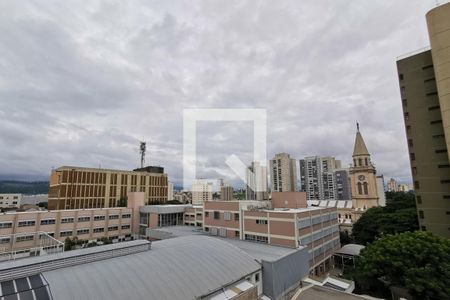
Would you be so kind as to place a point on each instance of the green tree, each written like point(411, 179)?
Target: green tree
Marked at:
point(123, 202)
point(68, 244)
point(399, 215)
point(417, 261)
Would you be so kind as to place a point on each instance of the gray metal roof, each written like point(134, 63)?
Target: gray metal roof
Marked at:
point(350, 249)
point(258, 251)
point(179, 268)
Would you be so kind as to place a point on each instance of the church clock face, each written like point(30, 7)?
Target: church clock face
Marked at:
point(361, 177)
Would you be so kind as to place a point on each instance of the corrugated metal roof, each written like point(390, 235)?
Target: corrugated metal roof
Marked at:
point(180, 268)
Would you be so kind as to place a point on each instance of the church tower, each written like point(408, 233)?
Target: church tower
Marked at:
point(363, 177)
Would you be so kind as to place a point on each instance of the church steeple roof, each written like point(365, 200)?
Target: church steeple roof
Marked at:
point(360, 147)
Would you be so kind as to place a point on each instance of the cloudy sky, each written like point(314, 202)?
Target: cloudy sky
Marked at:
point(81, 82)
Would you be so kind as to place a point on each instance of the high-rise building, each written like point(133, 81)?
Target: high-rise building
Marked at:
point(425, 94)
point(381, 191)
point(343, 188)
point(392, 185)
point(226, 193)
point(170, 191)
point(318, 179)
point(256, 188)
point(283, 172)
point(77, 187)
point(363, 178)
point(201, 192)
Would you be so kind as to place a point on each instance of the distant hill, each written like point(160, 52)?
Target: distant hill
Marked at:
point(24, 187)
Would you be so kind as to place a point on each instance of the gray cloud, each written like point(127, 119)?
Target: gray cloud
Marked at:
point(82, 82)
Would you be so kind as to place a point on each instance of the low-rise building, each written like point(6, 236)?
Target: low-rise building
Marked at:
point(10, 200)
point(18, 229)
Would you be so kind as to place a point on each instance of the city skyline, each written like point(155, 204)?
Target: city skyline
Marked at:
point(103, 85)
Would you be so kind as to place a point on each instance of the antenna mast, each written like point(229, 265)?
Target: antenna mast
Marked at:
point(142, 151)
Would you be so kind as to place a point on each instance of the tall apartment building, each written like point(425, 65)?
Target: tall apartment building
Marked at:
point(283, 172)
point(392, 185)
point(318, 179)
point(170, 195)
point(201, 192)
point(343, 185)
point(256, 178)
point(77, 187)
point(226, 193)
point(425, 94)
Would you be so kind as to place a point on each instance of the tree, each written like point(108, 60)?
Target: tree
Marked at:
point(123, 202)
point(417, 261)
point(399, 215)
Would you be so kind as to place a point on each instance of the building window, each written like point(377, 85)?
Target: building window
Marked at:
point(405, 102)
point(67, 220)
point(216, 215)
point(257, 277)
point(360, 188)
point(419, 199)
point(66, 233)
point(99, 229)
point(256, 238)
point(416, 185)
point(406, 115)
point(421, 214)
point(206, 214)
point(408, 129)
point(236, 217)
point(113, 217)
point(403, 92)
point(433, 107)
point(99, 218)
point(414, 170)
point(23, 238)
point(26, 223)
point(236, 233)
point(410, 142)
point(113, 228)
point(5, 225)
point(126, 216)
point(127, 226)
point(84, 219)
point(5, 240)
point(82, 231)
point(441, 151)
point(366, 190)
point(261, 222)
point(412, 156)
point(48, 222)
point(227, 216)
point(445, 181)
point(360, 162)
point(436, 122)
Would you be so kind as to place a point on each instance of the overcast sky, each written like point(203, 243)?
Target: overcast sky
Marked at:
point(81, 82)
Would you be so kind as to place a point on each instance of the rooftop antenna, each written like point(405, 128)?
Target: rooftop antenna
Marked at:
point(142, 151)
point(357, 126)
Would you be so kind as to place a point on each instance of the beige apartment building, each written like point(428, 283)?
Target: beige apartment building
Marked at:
point(283, 173)
point(226, 193)
point(78, 188)
point(20, 230)
point(424, 79)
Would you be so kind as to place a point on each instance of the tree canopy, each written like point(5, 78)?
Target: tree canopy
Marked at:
point(417, 261)
point(399, 215)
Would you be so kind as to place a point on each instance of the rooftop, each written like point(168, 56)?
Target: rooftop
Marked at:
point(102, 170)
point(181, 268)
point(350, 249)
point(256, 250)
point(315, 292)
